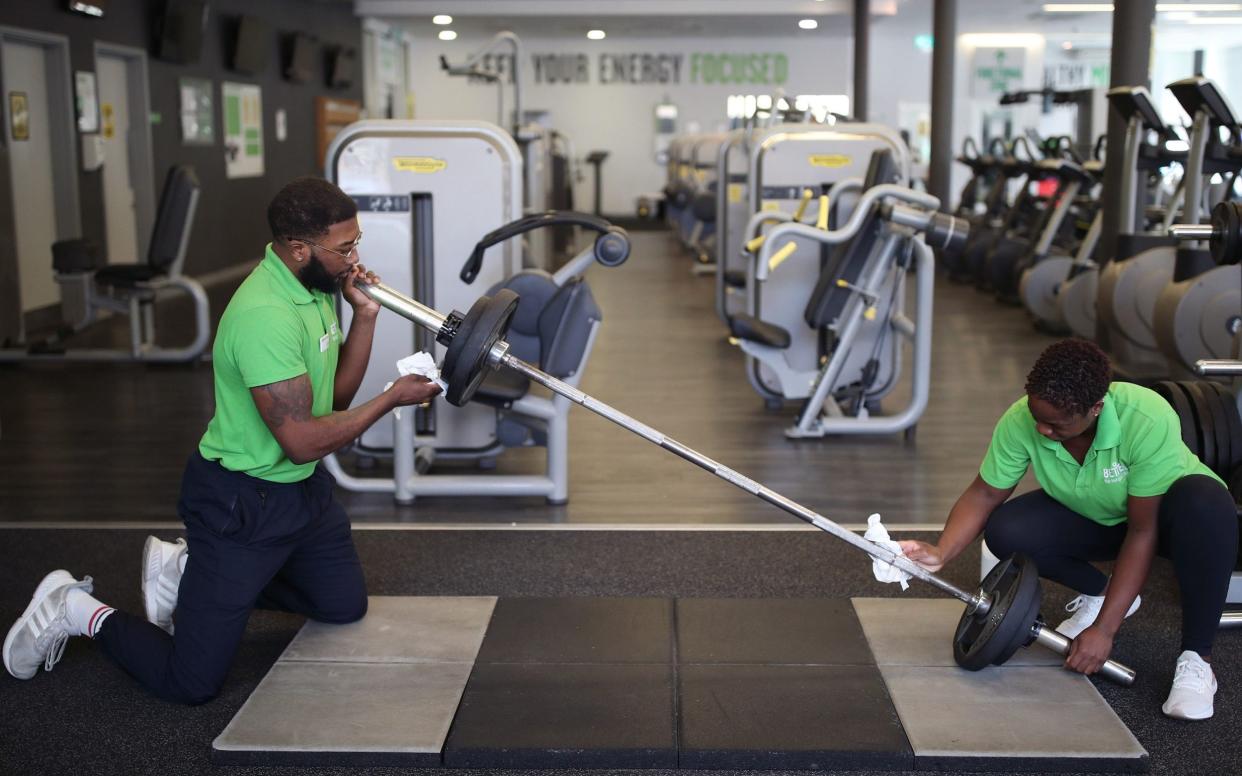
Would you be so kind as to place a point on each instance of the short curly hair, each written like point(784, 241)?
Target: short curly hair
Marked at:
point(1071, 375)
point(306, 207)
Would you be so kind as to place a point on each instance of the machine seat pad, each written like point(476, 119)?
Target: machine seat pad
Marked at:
point(502, 387)
point(750, 328)
point(126, 275)
point(735, 278)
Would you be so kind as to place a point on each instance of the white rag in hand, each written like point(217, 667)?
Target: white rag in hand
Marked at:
point(423, 365)
point(885, 572)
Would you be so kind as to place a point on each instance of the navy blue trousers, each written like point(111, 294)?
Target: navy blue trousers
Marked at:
point(1197, 530)
point(252, 544)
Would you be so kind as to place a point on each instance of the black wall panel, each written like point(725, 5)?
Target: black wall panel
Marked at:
point(231, 225)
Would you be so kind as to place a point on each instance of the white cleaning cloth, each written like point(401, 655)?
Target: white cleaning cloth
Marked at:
point(884, 572)
point(423, 365)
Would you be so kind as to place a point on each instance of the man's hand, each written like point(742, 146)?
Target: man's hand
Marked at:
point(926, 555)
point(412, 389)
point(361, 303)
point(1089, 651)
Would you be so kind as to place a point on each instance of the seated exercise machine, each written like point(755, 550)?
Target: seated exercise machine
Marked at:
point(856, 307)
point(785, 163)
point(1000, 617)
point(418, 185)
point(89, 291)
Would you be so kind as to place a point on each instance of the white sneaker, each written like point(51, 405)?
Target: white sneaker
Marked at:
point(1085, 609)
point(161, 578)
point(39, 635)
point(1194, 684)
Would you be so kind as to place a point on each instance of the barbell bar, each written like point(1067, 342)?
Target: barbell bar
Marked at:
point(494, 354)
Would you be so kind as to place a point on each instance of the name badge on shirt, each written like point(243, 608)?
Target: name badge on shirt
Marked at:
point(323, 343)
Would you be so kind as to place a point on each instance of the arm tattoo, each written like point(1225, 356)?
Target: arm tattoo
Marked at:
point(289, 399)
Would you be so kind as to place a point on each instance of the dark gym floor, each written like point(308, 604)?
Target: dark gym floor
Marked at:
point(101, 444)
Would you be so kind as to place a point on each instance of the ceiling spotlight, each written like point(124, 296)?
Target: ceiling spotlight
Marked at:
point(808, 24)
point(448, 35)
point(442, 18)
point(1067, 45)
point(596, 34)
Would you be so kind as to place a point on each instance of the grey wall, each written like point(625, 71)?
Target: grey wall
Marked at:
point(231, 224)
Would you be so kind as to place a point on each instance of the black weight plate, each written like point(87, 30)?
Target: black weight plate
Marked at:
point(1207, 422)
point(465, 362)
point(1224, 445)
point(1201, 450)
point(1013, 587)
point(1176, 397)
point(1233, 422)
point(1235, 489)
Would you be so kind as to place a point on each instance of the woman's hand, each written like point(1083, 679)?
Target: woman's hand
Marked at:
point(1089, 651)
point(926, 555)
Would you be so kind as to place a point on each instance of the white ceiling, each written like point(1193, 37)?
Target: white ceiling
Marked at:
point(765, 18)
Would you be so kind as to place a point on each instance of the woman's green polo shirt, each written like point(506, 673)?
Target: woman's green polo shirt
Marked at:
point(1137, 451)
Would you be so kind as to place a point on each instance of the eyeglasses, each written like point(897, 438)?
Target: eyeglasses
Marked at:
point(353, 246)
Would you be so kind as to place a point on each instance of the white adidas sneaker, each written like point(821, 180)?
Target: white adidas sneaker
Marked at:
point(39, 635)
point(1194, 685)
point(161, 578)
point(1085, 608)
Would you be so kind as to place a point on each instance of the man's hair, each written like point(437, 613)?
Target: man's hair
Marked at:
point(1071, 375)
point(306, 207)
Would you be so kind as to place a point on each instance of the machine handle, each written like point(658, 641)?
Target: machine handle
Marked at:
point(806, 200)
point(608, 252)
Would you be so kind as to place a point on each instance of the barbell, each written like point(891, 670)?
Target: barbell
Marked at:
point(1000, 617)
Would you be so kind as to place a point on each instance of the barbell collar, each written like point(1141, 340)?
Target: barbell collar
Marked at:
point(1059, 643)
point(1187, 232)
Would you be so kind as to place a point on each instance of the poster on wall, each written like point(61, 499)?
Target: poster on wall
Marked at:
point(995, 71)
point(19, 116)
point(86, 101)
point(243, 130)
point(198, 111)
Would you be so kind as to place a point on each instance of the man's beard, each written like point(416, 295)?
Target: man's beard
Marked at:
point(316, 278)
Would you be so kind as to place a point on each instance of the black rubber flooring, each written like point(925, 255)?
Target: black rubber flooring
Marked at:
point(88, 717)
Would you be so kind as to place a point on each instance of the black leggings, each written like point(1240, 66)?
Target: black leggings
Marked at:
point(1198, 531)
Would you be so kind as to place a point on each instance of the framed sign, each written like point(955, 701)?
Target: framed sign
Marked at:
point(243, 129)
point(86, 99)
point(19, 116)
point(198, 118)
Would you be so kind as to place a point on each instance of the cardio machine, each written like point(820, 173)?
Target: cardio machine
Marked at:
point(1129, 288)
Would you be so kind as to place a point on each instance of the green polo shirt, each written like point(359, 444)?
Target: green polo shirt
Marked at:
point(273, 329)
point(1137, 451)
